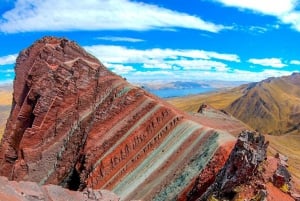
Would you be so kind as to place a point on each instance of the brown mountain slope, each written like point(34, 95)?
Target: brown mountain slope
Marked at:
point(271, 106)
point(272, 103)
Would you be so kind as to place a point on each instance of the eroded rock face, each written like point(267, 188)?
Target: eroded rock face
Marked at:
point(76, 124)
point(241, 167)
point(29, 191)
point(249, 174)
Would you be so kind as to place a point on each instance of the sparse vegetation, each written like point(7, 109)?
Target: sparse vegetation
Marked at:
point(285, 188)
point(5, 104)
point(218, 100)
point(5, 97)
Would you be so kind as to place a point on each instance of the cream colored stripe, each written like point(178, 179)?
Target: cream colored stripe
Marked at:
point(177, 136)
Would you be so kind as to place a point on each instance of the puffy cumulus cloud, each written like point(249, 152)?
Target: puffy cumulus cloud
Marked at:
point(278, 8)
point(284, 10)
point(186, 64)
point(161, 63)
point(145, 76)
point(199, 64)
point(154, 64)
point(271, 62)
point(9, 59)
point(295, 62)
point(122, 39)
point(53, 15)
point(120, 68)
point(292, 18)
point(120, 54)
point(234, 75)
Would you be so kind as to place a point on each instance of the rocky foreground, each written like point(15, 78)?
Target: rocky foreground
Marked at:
point(30, 191)
point(76, 124)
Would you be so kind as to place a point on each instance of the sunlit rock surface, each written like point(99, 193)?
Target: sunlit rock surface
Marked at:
point(30, 191)
point(249, 175)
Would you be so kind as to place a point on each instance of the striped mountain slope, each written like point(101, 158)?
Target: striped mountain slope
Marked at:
point(76, 124)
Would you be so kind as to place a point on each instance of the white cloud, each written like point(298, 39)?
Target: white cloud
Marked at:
point(164, 63)
point(120, 69)
point(9, 59)
point(199, 64)
point(155, 73)
point(63, 15)
point(186, 64)
point(235, 75)
point(258, 29)
point(120, 39)
point(7, 71)
point(257, 76)
point(295, 62)
point(144, 76)
point(292, 18)
point(226, 57)
point(284, 10)
point(278, 8)
point(271, 62)
point(120, 54)
point(154, 64)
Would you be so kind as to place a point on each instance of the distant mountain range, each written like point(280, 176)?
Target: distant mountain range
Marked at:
point(270, 106)
point(162, 85)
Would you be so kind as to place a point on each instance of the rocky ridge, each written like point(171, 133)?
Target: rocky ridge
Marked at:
point(249, 174)
point(76, 124)
point(249, 152)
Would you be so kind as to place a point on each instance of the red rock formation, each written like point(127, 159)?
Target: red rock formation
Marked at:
point(28, 191)
point(76, 124)
point(247, 173)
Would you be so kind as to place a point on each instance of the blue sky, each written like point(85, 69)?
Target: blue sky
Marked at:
point(236, 40)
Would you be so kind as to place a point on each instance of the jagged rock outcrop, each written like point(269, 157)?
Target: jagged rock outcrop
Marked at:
point(281, 177)
point(76, 124)
point(249, 152)
point(247, 173)
point(30, 191)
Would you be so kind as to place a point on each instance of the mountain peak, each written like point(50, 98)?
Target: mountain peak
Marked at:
point(76, 124)
point(270, 106)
